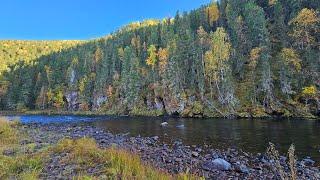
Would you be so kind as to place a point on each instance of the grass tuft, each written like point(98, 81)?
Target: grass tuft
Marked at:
point(279, 169)
point(17, 164)
point(26, 162)
point(9, 136)
point(117, 163)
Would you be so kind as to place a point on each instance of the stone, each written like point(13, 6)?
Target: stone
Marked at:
point(218, 164)
point(156, 138)
point(242, 168)
point(195, 154)
point(164, 124)
point(8, 152)
point(308, 162)
point(180, 126)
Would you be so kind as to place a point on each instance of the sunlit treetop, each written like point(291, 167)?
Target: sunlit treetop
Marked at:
point(138, 24)
point(306, 17)
point(213, 12)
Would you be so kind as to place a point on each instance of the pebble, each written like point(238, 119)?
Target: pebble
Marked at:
point(195, 154)
point(241, 168)
point(174, 158)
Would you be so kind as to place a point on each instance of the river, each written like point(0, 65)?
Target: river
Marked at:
point(249, 135)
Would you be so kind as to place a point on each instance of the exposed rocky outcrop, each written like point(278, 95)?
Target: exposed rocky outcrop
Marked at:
point(72, 100)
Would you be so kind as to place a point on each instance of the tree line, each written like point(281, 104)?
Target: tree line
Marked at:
point(243, 58)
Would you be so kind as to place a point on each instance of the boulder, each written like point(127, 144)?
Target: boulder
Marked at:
point(217, 164)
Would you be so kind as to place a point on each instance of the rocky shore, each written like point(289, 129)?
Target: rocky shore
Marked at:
point(174, 158)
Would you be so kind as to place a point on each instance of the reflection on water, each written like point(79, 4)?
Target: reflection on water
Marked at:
point(249, 135)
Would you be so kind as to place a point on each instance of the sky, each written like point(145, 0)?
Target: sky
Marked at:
point(80, 19)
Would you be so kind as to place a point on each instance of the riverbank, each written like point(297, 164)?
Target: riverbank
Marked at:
point(172, 159)
point(102, 113)
point(34, 154)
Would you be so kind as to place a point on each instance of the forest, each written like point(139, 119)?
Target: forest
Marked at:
point(231, 58)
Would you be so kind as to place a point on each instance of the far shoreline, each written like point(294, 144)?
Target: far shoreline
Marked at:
point(97, 113)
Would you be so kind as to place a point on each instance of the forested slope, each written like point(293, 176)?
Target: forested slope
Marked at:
point(13, 51)
point(243, 58)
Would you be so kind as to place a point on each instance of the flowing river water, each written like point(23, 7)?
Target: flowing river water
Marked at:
point(249, 135)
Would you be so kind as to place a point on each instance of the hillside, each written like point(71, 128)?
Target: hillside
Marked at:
point(13, 51)
point(232, 58)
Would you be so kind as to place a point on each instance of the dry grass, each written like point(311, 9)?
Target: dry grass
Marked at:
point(84, 152)
point(9, 136)
point(18, 165)
point(118, 164)
point(280, 169)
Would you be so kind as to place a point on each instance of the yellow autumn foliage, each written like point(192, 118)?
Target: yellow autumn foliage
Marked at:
point(213, 13)
point(305, 17)
point(291, 58)
point(309, 91)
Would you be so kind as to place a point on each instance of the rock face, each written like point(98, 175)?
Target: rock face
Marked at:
point(217, 164)
point(98, 101)
point(158, 104)
point(174, 106)
point(72, 100)
point(72, 76)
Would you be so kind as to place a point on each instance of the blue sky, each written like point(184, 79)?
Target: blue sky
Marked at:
point(80, 19)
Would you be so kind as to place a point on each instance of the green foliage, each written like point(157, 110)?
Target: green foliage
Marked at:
point(235, 56)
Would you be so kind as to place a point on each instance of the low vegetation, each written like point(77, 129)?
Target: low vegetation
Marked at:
point(17, 160)
point(23, 161)
point(117, 163)
point(280, 168)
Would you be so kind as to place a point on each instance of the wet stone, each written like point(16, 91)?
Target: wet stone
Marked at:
point(173, 157)
point(195, 154)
